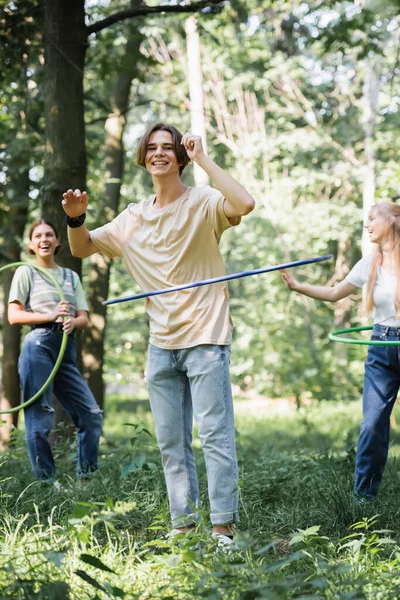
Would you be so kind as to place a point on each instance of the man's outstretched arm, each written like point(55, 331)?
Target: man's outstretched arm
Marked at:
point(75, 204)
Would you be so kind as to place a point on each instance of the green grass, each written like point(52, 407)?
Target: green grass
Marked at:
point(301, 535)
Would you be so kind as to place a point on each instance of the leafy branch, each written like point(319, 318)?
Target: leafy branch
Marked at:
point(144, 10)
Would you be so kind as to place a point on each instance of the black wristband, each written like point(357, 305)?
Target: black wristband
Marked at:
point(75, 222)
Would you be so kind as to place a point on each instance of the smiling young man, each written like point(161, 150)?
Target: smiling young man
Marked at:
point(172, 238)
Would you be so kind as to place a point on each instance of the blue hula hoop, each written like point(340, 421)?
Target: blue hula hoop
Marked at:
point(186, 286)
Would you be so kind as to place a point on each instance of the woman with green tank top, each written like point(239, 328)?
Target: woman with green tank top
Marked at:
point(34, 301)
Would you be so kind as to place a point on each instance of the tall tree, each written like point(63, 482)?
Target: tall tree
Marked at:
point(16, 219)
point(129, 68)
point(21, 136)
point(195, 80)
point(371, 88)
point(65, 42)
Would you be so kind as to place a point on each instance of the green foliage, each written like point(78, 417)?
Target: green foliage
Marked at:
point(285, 111)
point(283, 88)
point(285, 116)
point(21, 122)
point(301, 534)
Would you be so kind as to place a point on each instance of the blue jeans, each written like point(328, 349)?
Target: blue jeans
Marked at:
point(381, 385)
point(182, 383)
point(38, 356)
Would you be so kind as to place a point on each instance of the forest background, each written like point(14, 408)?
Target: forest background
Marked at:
point(299, 101)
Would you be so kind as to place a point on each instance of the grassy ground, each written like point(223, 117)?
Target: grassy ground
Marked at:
point(301, 535)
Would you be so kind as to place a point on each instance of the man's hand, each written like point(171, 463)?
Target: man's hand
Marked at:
point(74, 203)
point(193, 146)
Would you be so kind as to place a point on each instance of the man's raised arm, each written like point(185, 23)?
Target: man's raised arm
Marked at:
point(238, 202)
point(75, 204)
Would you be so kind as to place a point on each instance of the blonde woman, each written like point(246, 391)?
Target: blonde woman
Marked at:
point(380, 273)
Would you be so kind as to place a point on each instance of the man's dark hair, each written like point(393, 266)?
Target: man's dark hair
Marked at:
point(180, 152)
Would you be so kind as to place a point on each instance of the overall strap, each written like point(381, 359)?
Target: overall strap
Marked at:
point(32, 276)
point(72, 278)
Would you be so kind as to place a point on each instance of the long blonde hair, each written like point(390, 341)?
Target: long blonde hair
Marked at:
point(391, 213)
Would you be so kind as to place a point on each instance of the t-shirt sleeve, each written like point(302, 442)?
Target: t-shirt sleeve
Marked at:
point(20, 286)
point(108, 238)
point(358, 275)
point(213, 202)
point(81, 303)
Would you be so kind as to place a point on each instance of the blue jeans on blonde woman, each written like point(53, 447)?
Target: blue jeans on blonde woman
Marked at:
point(38, 356)
point(381, 386)
point(182, 384)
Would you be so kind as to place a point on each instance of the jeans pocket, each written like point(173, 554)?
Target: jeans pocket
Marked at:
point(41, 333)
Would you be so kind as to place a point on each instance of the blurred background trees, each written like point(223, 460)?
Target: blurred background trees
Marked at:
point(299, 102)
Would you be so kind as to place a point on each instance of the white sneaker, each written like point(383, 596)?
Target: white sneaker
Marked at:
point(224, 542)
point(174, 533)
point(177, 536)
point(57, 486)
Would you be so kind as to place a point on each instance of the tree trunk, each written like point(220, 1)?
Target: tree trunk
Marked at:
point(16, 220)
point(198, 124)
point(65, 157)
point(100, 265)
point(371, 88)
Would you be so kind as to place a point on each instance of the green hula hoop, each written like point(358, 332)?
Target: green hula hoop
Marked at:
point(62, 347)
point(334, 337)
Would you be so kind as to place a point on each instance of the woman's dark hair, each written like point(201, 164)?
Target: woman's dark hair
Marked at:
point(43, 222)
point(180, 152)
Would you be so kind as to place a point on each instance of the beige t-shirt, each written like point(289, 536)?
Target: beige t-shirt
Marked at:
point(172, 246)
